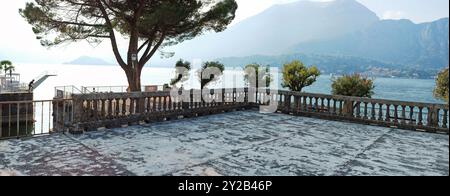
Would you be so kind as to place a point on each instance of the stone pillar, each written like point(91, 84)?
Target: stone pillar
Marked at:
point(78, 113)
point(433, 117)
point(347, 109)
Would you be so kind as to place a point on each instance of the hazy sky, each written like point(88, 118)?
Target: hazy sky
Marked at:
point(17, 39)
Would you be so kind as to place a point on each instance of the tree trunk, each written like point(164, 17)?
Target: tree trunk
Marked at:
point(134, 79)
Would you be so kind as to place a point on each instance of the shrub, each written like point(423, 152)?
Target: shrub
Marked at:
point(442, 86)
point(355, 85)
point(297, 76)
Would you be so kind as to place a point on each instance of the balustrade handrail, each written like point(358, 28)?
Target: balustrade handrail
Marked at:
point(103, 107)
point(95, 96)
point(365, 99)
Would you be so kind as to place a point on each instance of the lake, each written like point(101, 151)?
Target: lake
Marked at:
point(419, 90)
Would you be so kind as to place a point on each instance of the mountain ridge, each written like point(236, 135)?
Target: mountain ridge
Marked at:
point(423, 45)
point(277, 28)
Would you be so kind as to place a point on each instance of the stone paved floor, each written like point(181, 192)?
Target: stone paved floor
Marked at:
point(239, 143)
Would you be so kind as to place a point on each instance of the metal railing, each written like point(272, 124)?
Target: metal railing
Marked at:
point(66, 92)
point(29, 118)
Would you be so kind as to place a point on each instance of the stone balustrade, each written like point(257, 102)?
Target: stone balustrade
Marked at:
point(95, 110)
point(399, 114)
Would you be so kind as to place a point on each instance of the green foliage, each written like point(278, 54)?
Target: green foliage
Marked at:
point(178, 20)
point(442, 86)
point(297, 76)
point(354, 85)
point(149, 25)
point(181, 76)
point(7, 66)
point(211, 78)
point(255, 73)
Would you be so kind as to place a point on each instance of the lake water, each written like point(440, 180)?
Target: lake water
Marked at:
point(82, 75)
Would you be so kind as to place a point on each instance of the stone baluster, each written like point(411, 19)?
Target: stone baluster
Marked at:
point(148, 105)
point(380, 112)
point(366, 111)
point(411, 115)
point(117, 113)
point(445, 119)
point(358, 109)
point(329, 106)
point(310, 105)
point(335, 107)
point(89, 110)
point(316, 104)
point(160, 104)
point(396, 114)
point(171, 106)
point(420, 120)
point(124, 106)
point(132, 111)
point(154, 105)
point(403, 121)
point(306, 103)
point(110, 109)
point(388, 113)
point(373, 112)
point(296, 106)
point(95, 109)
point(322, 104)
point(163, 104)
point(433, 117)
point(287, 103)
point(103, 112)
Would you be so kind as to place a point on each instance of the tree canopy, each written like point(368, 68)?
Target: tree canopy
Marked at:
point(442, 86)
point(148, 24)
point(7, 66)
point(4, 64)
point(355, 85)
point(297, 76)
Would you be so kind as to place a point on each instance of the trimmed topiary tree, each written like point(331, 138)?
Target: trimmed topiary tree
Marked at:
point(355, 85)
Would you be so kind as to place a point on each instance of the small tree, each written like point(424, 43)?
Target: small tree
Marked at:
point(5, 64)
point(354, 85)
point(181, 72)
point(297, 76)
point(204, 79)
point(442, 86)
point(255, 73)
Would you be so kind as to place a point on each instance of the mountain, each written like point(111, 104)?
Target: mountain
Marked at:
point(280, 27)
point(86, 60)
point(423, 45)
point(338, 30)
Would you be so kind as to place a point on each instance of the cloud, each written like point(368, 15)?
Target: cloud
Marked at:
point(393, 15)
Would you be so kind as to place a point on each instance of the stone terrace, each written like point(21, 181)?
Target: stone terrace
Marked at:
point(238, 143)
